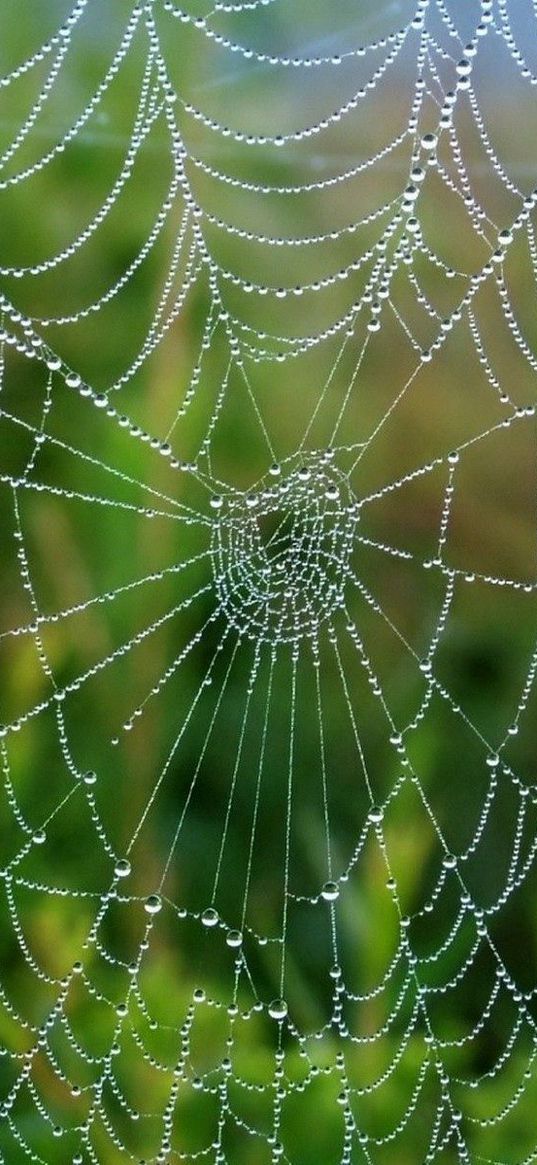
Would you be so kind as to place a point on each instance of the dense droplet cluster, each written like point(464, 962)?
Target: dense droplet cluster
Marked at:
point(282, 554)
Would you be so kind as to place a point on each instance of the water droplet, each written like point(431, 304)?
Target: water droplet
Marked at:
point(429, 141)
point(217, 502)
point(209, 917)
point(411, 193)
point(90, 777)
point(330, 891)
point(153, 904)
point(39, 837)
point(234, 938)
point(122, 868)
point(277, 1009)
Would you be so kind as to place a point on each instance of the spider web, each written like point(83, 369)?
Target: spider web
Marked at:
point(269, 646)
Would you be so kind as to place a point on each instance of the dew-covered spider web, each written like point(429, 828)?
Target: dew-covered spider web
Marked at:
point(269, 640)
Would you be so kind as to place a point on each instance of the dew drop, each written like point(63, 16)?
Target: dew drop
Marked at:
point(122, 868)
point(209, 917)
point(277, 1009)
point(411, 193)
point(153, 904)
point(330, 891)
point(39, 837)
point(234, 938)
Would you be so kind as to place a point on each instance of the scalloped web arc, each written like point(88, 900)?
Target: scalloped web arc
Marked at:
point(268, 499)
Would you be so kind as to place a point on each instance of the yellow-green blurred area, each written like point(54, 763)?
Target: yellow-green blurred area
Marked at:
point(220, 291)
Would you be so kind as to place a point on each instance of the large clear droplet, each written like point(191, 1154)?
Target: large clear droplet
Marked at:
point(330, 891)
point(234, 938)
point(153, 904)
point(209, 917)
point(277, 1009)
point(122, 868)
